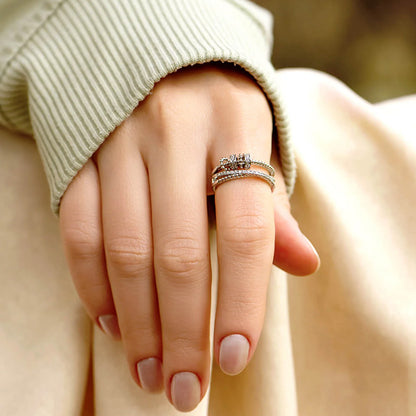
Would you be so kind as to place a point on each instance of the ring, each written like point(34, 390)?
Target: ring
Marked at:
point(238, 167)
point(241, 161)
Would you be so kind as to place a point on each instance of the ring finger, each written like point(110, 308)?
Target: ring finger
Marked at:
point(129, 256)
point(245, 241)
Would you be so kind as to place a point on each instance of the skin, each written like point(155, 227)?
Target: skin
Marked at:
point(134, 222)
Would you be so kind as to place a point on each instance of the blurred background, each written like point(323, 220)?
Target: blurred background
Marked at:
point(368, 44)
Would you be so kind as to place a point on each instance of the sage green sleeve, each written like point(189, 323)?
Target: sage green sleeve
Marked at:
point(71, 71)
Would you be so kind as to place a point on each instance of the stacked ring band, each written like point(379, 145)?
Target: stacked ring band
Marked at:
point(238, 167)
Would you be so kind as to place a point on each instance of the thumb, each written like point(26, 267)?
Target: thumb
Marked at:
point(293, 252)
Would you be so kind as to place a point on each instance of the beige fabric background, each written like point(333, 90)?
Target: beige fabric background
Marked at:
point(340, 342)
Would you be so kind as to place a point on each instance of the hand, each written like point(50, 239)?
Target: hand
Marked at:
point(134, 225)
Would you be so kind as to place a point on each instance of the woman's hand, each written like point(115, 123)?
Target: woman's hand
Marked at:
point(134, 224)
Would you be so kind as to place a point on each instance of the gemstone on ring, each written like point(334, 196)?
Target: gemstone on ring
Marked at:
point(237, 166)
point(234, 162)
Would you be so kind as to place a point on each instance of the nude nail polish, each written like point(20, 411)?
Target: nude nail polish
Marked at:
point(316, 253)
point(234, 351)
point(150, 374)
point(186, 391)
point(109, 325)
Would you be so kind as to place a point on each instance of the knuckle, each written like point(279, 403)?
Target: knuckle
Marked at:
point(162, 106)
point(134, 330)
point(95, 301)
point(129, 255)
point(245, 96)
point(247, 233)
point(181, 257)
point(187, 343)
point(168, 118)
point(243, 308)
point(83, 241)
point(249, 113)
point(91, 291)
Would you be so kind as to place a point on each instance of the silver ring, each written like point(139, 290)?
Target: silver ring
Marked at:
point(241, 161)
point(238, 167)
point(239, 174)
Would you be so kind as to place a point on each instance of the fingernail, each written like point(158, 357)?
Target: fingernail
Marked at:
point(186, 391)
point(109, 325)
point(234, 351)
point(316, 253)
point(150, 374)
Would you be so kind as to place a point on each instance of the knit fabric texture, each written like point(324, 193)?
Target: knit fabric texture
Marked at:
point(74, 70)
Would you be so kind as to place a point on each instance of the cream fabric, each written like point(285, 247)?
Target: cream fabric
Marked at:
point(341, 342)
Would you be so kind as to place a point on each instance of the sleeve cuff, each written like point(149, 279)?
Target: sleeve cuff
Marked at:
point(91, 62)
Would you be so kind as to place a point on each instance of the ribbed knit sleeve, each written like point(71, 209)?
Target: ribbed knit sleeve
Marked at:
point(77, 68)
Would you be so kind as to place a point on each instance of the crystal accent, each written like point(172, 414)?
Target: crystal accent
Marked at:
point(234, 162)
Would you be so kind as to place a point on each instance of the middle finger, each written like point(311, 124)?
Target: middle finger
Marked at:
point(182, 269)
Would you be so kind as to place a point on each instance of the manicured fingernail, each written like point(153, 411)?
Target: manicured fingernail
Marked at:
point(150, 374)
point(234, 351)
point(109, 324)
point(316, 253)
point(186, 391)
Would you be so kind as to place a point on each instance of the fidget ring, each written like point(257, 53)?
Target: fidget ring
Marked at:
point(238, 167)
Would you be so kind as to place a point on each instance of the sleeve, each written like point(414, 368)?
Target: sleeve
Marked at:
point(73, 70)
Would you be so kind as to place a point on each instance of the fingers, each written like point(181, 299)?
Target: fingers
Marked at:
point(153, 269)
point(182, 268)
point(293, 252)
point(80, 224)
point(129, 255)
point(245, 240)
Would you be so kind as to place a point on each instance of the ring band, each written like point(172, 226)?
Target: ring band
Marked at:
point(239, 174)
point(238, 167)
